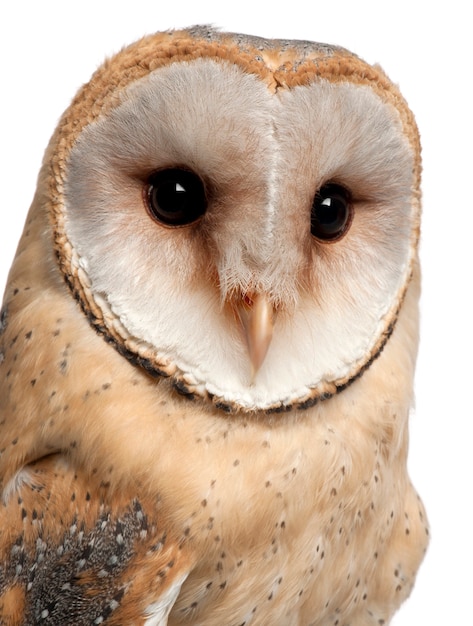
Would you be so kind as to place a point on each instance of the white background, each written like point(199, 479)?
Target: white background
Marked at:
point(50, 48)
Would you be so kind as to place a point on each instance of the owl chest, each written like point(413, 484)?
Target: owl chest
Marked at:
point(276, 530)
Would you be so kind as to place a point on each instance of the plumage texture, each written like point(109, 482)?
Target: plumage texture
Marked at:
point(148, 474)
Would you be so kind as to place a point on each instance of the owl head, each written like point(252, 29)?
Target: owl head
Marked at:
point(238, 215)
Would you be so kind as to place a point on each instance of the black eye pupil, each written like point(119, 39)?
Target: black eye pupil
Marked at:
point(176, 196)
point(331, 212)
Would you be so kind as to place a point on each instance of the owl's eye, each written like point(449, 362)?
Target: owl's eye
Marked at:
point(176, 196)
point(332, 212)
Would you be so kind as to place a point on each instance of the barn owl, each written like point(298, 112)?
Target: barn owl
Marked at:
point(208, 342)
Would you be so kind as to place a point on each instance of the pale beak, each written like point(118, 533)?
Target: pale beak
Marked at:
point(256, 316)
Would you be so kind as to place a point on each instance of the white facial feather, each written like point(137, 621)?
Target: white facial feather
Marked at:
point(263, 156)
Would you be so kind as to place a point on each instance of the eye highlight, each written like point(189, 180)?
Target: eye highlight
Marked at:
point(332, 213)
point(176, 196)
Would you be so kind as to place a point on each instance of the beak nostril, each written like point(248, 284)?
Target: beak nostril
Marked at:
point(248, 300)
